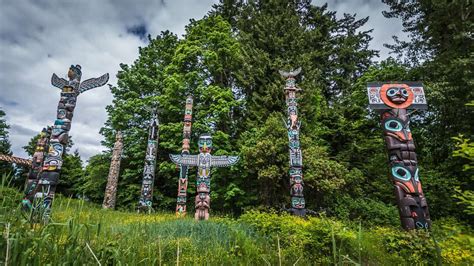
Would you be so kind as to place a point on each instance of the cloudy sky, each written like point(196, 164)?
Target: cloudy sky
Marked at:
point(41, 37)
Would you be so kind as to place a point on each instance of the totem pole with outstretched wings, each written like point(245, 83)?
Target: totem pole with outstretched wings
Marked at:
point(204, 161)
point(53, 161)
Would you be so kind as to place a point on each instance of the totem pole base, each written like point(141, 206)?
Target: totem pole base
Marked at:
point(413, 210)
point(145, 209)
point(297, 212)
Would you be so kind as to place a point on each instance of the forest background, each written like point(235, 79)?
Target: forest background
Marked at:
point(229, 61)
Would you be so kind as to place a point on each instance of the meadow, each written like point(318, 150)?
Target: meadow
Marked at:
point(81, 233)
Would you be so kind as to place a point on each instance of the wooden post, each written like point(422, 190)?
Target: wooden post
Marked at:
point(114, 170)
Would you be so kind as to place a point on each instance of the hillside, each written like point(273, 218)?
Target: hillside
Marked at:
point(81, 233)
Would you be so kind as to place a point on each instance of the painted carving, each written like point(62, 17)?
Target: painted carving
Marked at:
point(298, 205)
point(37, 164)
point(146, 195)
point(183, 169)
point(204, 161)
point(53, 161)
point(114, 170)
point(393, 100)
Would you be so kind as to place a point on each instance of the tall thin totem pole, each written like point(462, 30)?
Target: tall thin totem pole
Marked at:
point(114, 170)
point(41, 150)
point(393, 100)
point(183, 169)
point(204, 161)
point(296, 159)
point(146, 194)
point(53, 161)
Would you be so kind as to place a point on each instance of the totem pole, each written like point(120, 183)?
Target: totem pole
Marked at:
point(53, 161)
point(146, 196)
point(112, 179)
point(393, 100)
point(296, 161)
point(36, 166)
point(183, 170)
point(204, 161)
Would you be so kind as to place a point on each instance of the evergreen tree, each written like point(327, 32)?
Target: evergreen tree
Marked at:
point(5, 146)
point(71, 175)
point(94, 179)
point(333, 54)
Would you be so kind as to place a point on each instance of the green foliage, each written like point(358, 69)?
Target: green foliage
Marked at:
point(93, 182)
point(369, 212)
point(82, 233)
point(5, 168)
point(465, 150)
point(229, 62)
point(324, 241)
point(71, 175)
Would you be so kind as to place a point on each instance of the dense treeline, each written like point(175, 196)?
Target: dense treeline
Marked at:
point(229, 61)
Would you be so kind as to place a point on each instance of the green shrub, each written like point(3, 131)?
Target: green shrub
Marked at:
point(368, 211)
point(80, 232)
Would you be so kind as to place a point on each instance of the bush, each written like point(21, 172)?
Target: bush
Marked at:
point(368, 211)
point(319, 240)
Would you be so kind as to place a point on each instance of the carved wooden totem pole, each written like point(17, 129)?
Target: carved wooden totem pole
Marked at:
point(114, 170)
point(393, 100)
point(53, 161)
point(204, 161)
point(183, 169)
point(296, 160)
point(146, 194)
point(36, 166)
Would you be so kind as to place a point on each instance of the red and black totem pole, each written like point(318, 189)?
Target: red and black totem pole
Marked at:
point(298, 205)
point(70, 90)
point(183, 169)
point(392, 101)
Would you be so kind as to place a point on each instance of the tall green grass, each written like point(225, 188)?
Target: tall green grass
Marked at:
point(81, 233)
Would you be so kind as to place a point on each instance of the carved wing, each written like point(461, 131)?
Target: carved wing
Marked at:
point(188, 160)
point(223, 161)
point(292, 73)
point(58, 82)
point(93, 83)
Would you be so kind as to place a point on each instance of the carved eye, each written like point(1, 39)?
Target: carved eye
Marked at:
point(404, 92)
point(392, 92)
point(420, 225)
point(393, 125)
point(401, 173)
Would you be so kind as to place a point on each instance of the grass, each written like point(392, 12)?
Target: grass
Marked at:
point(83, 234)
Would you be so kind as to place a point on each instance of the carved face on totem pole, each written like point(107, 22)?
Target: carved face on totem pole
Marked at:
point(205, 143)
point(409, 95)
point(290, 82)
point(74, 72)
